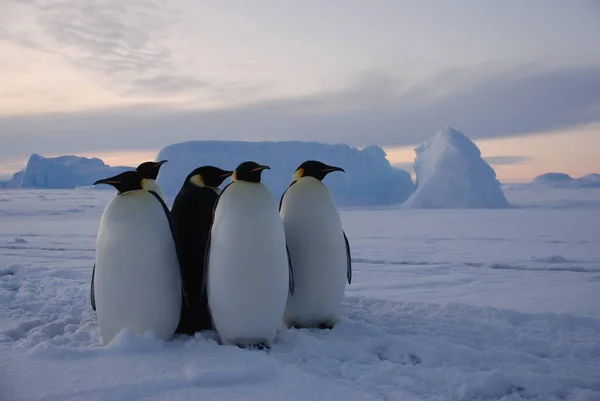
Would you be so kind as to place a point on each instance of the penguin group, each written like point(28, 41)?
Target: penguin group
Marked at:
point(233, 260)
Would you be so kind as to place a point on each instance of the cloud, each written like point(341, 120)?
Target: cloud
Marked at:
point(480, 104)
point(123, 45)
point(507, 160)
point(166, 83)
point(118, 38)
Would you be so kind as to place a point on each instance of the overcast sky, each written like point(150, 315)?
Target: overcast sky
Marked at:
point(122, 79)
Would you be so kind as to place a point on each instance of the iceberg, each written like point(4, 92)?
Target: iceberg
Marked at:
point(63, 172)
point(369, 179)
point(590, 181)
point(452, 174)
point(562, 180)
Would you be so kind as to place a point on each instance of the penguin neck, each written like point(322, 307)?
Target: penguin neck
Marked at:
point(244, 182)
point(308, 180)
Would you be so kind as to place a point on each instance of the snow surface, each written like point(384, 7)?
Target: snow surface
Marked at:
point(64, 172)
point(497, 304)
point(562, 180)
point(369, 178)
point(452, 174)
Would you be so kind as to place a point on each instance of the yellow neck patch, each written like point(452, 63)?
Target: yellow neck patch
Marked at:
point(298, 174)
point(234, 176)
point(197, 180)
point(143, 183)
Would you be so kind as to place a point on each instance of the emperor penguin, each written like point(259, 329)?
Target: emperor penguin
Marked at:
point(192, 216)
point(149, 171)
point(318, 247)
point(248, 266)
point(137, 282)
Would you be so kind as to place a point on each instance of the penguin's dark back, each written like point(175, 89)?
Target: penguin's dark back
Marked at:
point(192, 212)
point(192, 216)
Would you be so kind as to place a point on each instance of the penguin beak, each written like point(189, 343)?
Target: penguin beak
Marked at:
point(329, 169)
point(109, 181)
point(226, 174)
point(160, 163)
point(260, 168)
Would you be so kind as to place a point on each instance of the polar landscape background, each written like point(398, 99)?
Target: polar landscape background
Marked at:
point(445, 305)
point(465, 288)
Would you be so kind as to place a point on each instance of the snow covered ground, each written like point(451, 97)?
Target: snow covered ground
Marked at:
point(444, 305)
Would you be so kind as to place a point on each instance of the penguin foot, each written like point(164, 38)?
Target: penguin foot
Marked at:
point(261, 346)
point(328, 325)
point(325, 326)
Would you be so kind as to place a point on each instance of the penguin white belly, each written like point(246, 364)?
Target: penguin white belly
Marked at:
point(152, 185)
point(248, 268)
point(137, 281)
point(315, 239)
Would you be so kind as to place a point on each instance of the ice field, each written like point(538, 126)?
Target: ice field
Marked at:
point(444, 305)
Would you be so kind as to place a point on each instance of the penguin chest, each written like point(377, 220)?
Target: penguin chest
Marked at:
point(315, 240)
point(248, 270)
point(137, 283)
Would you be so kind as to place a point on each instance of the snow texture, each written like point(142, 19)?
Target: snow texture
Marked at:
point(64, 172)
point(494, 305)
point(451, 174)
point(369, 177)
point(562, 180)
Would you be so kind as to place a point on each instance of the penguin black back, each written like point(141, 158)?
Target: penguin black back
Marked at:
point(192, 217)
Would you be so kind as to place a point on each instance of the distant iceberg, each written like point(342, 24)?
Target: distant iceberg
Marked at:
point(64, 172)
point(562, 180)
point(452, 174)
point(369, 177)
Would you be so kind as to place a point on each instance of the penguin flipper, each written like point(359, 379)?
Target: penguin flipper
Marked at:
point(283, 194)
point(206, 259)
point(177, 251)
point(92, 295)
point(348, 260)
point(292, 284)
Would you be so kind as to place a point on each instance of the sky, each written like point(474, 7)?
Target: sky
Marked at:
point(121, 79)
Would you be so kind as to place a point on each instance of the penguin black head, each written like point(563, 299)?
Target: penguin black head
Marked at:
point(207, 176)
point(316, 169)
point(149, 170)
point(124, 182)
point(249, 171)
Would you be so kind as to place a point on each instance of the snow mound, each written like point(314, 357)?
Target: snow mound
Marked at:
point(590, 181)
point(452, 174)
point(369, 178)
point(562, 180)
point(63, 172)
